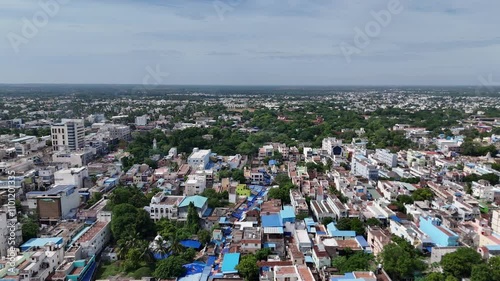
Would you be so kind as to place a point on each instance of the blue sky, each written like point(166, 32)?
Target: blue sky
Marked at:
point(243, 42)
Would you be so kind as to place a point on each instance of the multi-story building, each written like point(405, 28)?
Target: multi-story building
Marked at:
point(252, 240)
point(57, 203)
point(141, 120)
point(377, 239)
point(495, 221)
point(95, 238)
point(72, 176)
point(195, 184)
point(175, 207)
point(384, 156)
point(360, 166)
point(68, 135)
point(27, 144)
point(47, 175)
point(332, 146)
point(34, 264)
point(118, 132)
point(73, 158)
point(288, 273)
point(199, 158)
point(163, 206)
point(440, 235)
point(6, 226)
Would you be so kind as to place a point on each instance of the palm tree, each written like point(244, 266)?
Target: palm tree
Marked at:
point(161, 247)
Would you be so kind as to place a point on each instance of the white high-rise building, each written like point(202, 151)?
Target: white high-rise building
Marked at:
point(68, 135)
point(141, 120)
point(386, 157)
point(332, 146)
point(495, 221)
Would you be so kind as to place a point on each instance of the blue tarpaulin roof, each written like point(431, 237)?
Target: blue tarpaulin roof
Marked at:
point(191, 244)
point(395, 218)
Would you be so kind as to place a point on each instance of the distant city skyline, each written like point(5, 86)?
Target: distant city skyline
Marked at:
point(260, 42)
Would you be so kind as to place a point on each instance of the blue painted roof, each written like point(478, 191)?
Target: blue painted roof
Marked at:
point(362, 241)
point(273, 220)
point(333, 231)
point(40, 242)
point(273, 162)
point(309, 259)
point(493, 247)
point(309, 221)
point(197, 200)
point(269, 245)
point(395, 218)
point(287, 213)
point(229, 262)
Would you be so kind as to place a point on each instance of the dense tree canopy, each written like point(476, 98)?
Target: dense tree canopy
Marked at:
point(247, 268)
point(460, 263)
point(400, 260)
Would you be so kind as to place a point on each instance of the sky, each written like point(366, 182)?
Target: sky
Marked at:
point(244, 42)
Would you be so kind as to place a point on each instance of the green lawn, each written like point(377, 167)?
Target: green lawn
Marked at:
point(108, 269)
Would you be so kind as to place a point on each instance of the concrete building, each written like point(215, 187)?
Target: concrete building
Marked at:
point(59, 202)
point(440, 235)
point(27, 144)
point(199, 158)
point(252, 240)
point(73, 158)
point(332, 146)
point(72, 176)
point(495, 221)
point(360, 166)
point(95, 238)
point(141, 120)
point(385, 157)
point(199, 202)
point(195, 184)
point(68, 135)
point(163, 206)
point(35, 264)
point(6, 224)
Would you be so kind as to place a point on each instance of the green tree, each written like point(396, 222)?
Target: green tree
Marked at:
point(481, 272)
point(359, 261)
point(435, 276)
point(460, 263)
point(373, 222)
point(263, 253)
point(204, 236)
point(400, 260)
point(29, 228)
point(248, 269)
point(238, 175)
point(169, 268)
point(422, 194)
point(326, 220)
point(130, 195)
point(193, 219)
